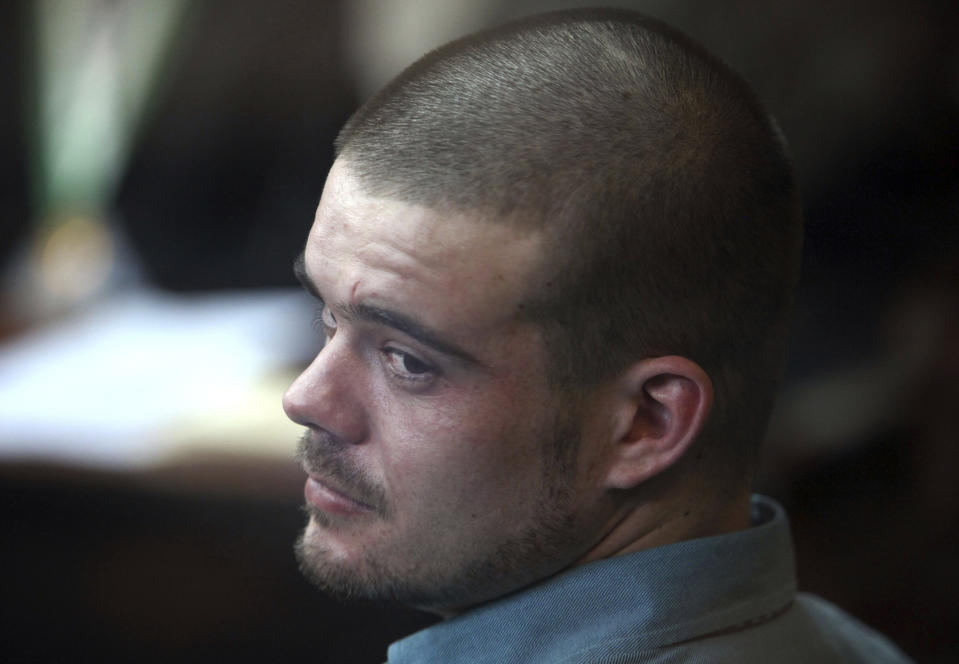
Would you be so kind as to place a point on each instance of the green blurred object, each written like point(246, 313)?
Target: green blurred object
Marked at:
point(97, 62)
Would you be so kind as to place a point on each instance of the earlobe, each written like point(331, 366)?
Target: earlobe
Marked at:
point(662, 407)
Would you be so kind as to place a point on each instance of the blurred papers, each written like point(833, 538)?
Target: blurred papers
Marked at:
point(144, 375)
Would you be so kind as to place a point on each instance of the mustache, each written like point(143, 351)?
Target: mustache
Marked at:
point(322, 455)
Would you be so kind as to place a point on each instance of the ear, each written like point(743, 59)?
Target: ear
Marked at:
point(661, 407)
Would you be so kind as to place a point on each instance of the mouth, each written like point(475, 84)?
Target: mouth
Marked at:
point(336, 485)
point(323, 496)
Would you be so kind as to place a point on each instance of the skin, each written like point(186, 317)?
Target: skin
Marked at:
point(431, 448)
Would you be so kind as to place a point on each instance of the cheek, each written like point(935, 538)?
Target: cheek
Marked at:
point(476, 451)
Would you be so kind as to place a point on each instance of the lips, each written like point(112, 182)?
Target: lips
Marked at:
point(322, 496)
point(336, 483)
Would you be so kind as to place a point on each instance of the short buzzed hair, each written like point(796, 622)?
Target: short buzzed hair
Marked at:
point(665, 186)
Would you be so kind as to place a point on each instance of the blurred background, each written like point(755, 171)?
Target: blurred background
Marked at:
point(160, 162)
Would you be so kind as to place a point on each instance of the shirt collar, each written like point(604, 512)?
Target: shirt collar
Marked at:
point(645, 600)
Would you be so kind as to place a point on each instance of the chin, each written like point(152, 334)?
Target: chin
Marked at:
point(329, 567)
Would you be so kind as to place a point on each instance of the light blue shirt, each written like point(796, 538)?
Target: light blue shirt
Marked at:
point(729, 598)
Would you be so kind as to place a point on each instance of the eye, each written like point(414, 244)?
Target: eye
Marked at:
point(408, 367)
point(325, 322)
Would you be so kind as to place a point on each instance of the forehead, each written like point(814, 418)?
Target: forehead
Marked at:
point(456, 264)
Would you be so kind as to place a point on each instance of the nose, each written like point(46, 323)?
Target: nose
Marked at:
point(326, 394)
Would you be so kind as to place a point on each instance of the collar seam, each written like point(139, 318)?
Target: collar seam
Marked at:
point(655, 638)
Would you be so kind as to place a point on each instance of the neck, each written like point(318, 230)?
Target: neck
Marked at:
point(645, 521)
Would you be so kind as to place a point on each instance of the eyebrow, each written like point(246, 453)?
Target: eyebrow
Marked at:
point(392, 319)
point(299, 271)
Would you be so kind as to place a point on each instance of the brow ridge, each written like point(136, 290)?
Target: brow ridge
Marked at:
point(381, 316)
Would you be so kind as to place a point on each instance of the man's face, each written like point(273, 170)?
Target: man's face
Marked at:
point(432, 432)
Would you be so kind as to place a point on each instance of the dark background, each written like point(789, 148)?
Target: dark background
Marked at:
point(194, 561)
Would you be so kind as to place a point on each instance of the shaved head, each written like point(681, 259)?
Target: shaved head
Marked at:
point(664, 187)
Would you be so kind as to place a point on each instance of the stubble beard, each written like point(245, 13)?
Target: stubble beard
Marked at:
point(550, 541)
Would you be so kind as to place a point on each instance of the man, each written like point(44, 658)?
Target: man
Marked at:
point(554, 264)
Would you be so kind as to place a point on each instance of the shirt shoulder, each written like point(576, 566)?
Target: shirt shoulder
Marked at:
point(810, 630)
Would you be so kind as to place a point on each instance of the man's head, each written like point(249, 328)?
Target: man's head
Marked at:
point(556, 241)
point(662, 183)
